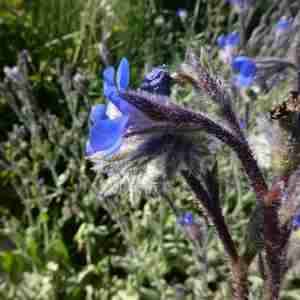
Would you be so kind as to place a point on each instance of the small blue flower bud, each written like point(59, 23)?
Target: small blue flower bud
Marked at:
point(158, 81)
point(186, 219)
point(182, 14)
point(283, 24)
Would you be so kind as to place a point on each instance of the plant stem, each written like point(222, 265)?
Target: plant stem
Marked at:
point(240, 283)
point(195, 16)
point(273, 253)
point(179, 117)
point(242, 21)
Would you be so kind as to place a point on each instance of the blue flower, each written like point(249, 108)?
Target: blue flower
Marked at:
point(186, 219)
point(246, 70)
point(228, 46)
point(282, 27)
point(221, 41)
point(233, 39)
point(105, 135)
point(230, 40)
point(108, 122)
point(283, 24)
point(111, 88)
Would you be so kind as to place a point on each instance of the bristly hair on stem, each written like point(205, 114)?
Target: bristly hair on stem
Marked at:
point(148, 104)
point(211, 205)
point(192, 72)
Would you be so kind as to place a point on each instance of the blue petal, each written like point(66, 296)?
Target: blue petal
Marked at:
point(106, 133)
point(110, 93)
point(221, 41)
point(118, 101)
point(233, 39)
point(238, 62)
point(98, 112)
point(248, 69)
point(108, 82)
point(108, 90)
point(186, 219)
point(283, 24)
point(243, 81)
point(124, 106)
point(123, 74)
point(114, 148)
point(109, 75)
point(189, 218)
point(244, 65)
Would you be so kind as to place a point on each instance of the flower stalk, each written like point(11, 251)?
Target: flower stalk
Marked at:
point(240, 283)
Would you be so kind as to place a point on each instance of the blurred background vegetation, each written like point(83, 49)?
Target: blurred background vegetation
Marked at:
point(57, 240)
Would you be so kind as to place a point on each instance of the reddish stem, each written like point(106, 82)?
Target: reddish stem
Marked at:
point(240, 283)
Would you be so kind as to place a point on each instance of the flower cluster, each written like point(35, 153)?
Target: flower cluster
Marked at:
point(243, 66)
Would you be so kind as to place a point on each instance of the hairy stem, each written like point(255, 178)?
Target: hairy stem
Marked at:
point(240, 284)
point(181, 117)
point(273, 253)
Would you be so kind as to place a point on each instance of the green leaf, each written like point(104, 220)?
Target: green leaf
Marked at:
point(58, 250)
point(12, 263)
point(33, 250)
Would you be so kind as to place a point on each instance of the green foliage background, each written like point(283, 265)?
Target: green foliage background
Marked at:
point(57, 240)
